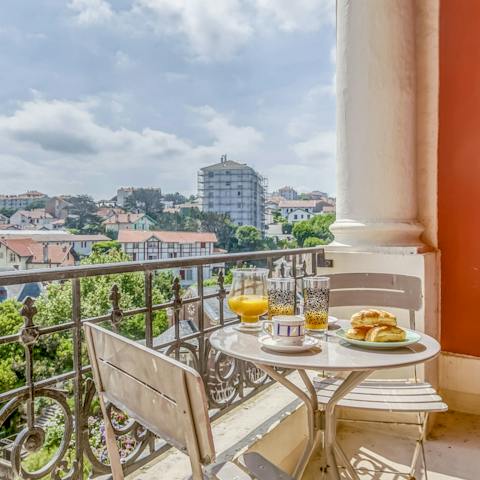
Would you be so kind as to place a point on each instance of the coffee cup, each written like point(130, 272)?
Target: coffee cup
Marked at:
point(285, 329)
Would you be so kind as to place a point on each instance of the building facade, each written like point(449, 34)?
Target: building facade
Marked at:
point(235, 189)
point(33, 219)
point(288, 193)
point(16, 202)
point(128, 221)
point(159, 245)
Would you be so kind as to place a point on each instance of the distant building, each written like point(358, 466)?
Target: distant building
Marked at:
point(288, 206)
point(107, 212)
point(26, 254)
point(233, 188)
point(128, 221)
point(57, 207)
point(298, 215)
point(3, 219)
point(315, 195)
point(16, 202)
point(288, 193)
point(36, 218)
point(158, 245)
point(80, 244)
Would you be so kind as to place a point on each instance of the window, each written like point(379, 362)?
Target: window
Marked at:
point(210, 204)
point(182, 274)
point(210, 174)
point(239, 194)
point(203, 245)
point(12, 257)
point(188, 275)
point(295, 217)
point(134, 256)
point(152, 257)
point(1, 254)
point(171, 245)
point(228, 184)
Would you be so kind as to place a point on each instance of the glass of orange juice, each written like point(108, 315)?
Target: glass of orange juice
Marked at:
point(248, 295)
point(316, 292)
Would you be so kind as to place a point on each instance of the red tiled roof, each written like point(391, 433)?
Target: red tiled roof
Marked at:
point(134, 236)
point(124, 218)
point(26, 247)
point(297, 204)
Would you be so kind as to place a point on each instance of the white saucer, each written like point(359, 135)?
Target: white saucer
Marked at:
point(271, 344)
point(242, 328)
point(332, 320)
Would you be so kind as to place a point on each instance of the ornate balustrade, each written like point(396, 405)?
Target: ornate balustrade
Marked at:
point(54, 419)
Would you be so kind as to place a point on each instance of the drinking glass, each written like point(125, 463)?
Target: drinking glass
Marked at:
point(248, 295)
point(316, 291)
point(281, 296)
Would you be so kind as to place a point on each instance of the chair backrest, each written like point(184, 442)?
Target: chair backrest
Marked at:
point(165, 396)
point(376, 290)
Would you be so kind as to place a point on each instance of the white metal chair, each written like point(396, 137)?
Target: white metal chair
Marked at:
point(167, 398)
point(409, 395)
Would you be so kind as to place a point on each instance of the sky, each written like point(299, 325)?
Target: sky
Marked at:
point(98, 94)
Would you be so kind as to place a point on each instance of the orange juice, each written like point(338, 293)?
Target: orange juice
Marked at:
point(249, 307)
point(316, 320)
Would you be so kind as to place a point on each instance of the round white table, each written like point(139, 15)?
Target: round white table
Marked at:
point(333, 354)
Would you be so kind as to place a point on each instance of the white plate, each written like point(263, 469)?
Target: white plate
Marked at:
point(332, 320)
point(271, 344)
point(412, 337)
point(242, 328)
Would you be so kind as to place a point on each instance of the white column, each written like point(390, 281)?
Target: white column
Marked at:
point(376, 187)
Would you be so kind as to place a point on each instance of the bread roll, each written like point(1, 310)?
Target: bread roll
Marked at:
point(386, 333)
point(357, 333)
point(371, 318)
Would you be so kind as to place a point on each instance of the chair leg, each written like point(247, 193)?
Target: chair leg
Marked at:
point(419, 447)
point(112, 448)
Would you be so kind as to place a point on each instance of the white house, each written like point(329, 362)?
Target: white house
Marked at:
point(36, 218)
point(158, 245)
point(289, 206)
point(128, 221)
point(3, 219)
point(298, 215)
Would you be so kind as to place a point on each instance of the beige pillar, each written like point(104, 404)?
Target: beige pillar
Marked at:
point(376, 130)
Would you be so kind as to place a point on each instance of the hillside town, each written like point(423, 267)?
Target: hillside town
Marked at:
point(232, 211)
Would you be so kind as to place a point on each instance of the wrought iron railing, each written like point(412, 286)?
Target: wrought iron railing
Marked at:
point(70, 395)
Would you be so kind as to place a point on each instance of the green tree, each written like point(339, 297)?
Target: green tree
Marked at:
point(222, 226)
point(106, 246)
point(149, 200)
point(40, 203)
point(8, 212)
point(317, 226)
point(287, 228)
point(82, 215)
point(313, 242)
point(249, 238)
point(302, 230)
point(176, 198)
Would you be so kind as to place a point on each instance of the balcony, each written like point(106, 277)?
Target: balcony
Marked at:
point(50, 423)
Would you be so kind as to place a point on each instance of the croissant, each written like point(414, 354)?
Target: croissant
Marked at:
point(372, 318)
point(386, 333)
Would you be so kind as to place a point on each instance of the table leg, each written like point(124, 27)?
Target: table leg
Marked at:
point(311, 402)
point(332, 449)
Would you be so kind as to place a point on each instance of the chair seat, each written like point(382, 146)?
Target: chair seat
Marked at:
point(387, 395)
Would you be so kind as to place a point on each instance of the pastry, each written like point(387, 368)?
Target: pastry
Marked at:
point(386, 333)
point(357, 333)
point(373, 318)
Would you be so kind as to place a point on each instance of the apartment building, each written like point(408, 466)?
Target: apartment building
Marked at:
point(16, 202)
point(235, 189)
point(159, 245)
point(36, 218)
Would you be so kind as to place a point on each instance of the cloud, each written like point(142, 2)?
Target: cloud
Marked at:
point(122, 60)
point(91, 12)
point(298, 15)
point(210, 30)
point(64, 140)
